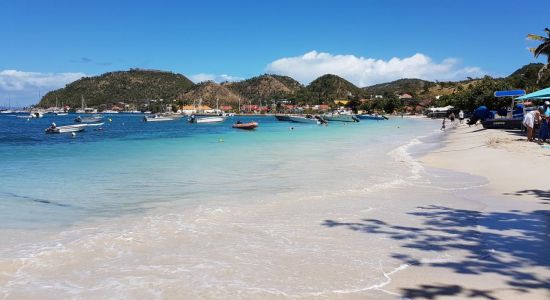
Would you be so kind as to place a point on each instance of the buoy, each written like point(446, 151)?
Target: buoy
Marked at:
point(110, 120)
point(73, 134)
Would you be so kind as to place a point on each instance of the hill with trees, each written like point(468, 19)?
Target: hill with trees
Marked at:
point(139, 86)
point(133, 86)
point(265, 87)
point(208, 92)
point(328, 88)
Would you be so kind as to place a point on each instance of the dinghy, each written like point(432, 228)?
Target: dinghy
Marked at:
point(245, 126)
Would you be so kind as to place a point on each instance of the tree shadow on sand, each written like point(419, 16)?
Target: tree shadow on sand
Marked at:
point(504, 243)
point(540, 194)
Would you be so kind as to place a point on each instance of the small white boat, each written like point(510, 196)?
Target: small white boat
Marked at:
point(309, 119)
point(36, 114)
point(94, 119)
point(108, 111)
point(159, 118)
point(7, 111)
point(65, 129)
point(61, 114)
point(194, 119)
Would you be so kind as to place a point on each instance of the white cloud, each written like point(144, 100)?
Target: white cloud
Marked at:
point(213, 77)
point(23, 87)
point(367, 71)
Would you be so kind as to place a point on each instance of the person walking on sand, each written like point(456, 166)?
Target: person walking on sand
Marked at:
point(443, 124)
point(460, 116)
point(452, 118)
point(529, 121)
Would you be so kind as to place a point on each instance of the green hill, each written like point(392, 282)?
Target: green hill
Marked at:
point(265, 87)
point(133, 86)
point(526, 77)
point(328, 88)
point(411, 86)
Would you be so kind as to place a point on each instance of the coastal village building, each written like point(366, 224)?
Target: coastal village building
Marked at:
point(189, 109)
point(321, 107)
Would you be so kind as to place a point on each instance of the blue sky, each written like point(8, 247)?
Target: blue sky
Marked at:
point(46, 44)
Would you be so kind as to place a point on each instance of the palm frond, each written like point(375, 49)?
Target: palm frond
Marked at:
point(535, 37)
point(543, 48)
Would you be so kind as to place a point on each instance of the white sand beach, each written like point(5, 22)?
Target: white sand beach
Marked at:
point(513, 224)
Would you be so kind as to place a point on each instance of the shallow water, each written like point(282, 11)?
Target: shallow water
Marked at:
point(144, 210)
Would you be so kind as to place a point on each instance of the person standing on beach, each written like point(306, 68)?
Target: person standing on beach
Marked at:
point(529, 121)
point(544, 132)
point(452, 117)
point(461, 116)
point(443, 124)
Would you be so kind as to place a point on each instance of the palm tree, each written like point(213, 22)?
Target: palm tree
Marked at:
point(543, 48)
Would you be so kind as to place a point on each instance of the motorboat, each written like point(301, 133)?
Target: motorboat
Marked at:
point(36, 114)
point(216, 119)
point(371, 117)
point(284, 118)
point(108, 111)
point(93, 119)
point(159, 118)
point(336, 117)
point(309, 119)
point(65, 129)
point(61, 114)
point(246, 126)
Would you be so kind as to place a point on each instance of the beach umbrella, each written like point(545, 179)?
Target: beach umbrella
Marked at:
point(542, 94)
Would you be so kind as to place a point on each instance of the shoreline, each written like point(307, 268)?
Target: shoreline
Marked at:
point(366, 239)
point(497, 268)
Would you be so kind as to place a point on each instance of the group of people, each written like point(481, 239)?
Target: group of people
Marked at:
point(452, 117)
point(536, 117)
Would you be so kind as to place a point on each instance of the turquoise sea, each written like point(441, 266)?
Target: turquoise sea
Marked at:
point(131, 166)
point(179, 210)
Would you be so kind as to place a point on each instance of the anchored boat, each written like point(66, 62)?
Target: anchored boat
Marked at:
point(93, 119)
point(340, 118)
point(159, 118)
point(283, 118)
point(65, 129)
point(309, 119)
point(371, 117)
point(215, 119)
point(246, 126)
